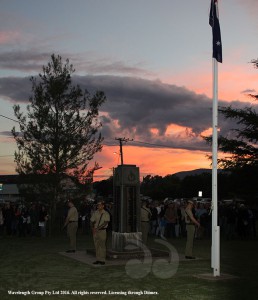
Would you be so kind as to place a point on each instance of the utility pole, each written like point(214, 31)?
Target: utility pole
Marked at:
point(121, 140)
point(122, 191)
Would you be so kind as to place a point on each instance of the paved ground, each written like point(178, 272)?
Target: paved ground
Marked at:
point(88, 257)
point(162, 263)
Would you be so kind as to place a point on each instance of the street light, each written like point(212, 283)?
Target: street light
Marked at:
point(119, 155)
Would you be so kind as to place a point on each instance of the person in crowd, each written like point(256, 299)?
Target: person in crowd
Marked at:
point(191, 224)
point(108, 208)
point(22, 222)
point(222, 218)
point(43, 218)
point(200, 214)
point(1, 221)
point(9, 217)
point(71, 223)
point(85, 212)
point(16, 213)
point(34, 219)
point(242, 221)
point(145, 221)
point(99, 223)
point(161, 223)
point(154, 217)
point(253, 222)
point(182, 219)
point(179, 216)
point(207, 220)
point(19, 220)
point(28, 222)
point(231, 220)
point(171, 218)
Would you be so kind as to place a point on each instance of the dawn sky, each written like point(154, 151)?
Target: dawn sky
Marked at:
point(152, 58)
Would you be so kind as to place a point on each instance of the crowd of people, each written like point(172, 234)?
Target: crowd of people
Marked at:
point(22, 221)
point(236, 220)
point(33, 219)
point(172, 219)
point(166, 219)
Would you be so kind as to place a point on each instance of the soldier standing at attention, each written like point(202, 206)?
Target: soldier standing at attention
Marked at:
point(99, 223)
point(145, 221)
point(191, 222)
point(71, 222)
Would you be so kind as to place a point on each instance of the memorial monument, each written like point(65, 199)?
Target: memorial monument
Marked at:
point(126, 218)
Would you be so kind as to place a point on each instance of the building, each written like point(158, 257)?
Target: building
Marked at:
point(9, 191)
point(9, 188)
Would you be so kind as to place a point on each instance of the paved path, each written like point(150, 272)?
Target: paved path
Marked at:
point(89, 258)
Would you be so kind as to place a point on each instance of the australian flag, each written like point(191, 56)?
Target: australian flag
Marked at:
point(216, 37)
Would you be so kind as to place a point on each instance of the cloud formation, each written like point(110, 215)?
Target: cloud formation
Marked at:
point(23, 60)
point(33, 60)
point(144, 110)
point(248, 91)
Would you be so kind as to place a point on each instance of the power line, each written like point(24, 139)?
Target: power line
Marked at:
point(151, 144)
point(9, 118)
point(164, 146)
point(110, 144)
point(121, 140)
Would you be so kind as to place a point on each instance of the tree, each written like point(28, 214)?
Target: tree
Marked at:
point(59, 135)
point(242, 147)
point(158, 188)
point(104, 188)
point(192, 184)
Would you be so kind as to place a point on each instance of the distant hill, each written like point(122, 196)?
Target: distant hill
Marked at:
point(183, 174)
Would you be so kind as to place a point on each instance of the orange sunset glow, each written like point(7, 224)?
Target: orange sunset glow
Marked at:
point(157, 76)
point(232, 81)
point(151, 161)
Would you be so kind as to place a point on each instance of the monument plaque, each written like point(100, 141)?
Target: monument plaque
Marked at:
point(126, 220)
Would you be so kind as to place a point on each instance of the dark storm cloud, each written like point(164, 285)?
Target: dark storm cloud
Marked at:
point(23, 60)
point(30, 60)
point(15, 89)
point(135, 101)
point(106, 66)
point(135, 107)
point(140, 105)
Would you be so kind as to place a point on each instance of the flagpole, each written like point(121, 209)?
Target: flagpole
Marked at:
point(215, 250)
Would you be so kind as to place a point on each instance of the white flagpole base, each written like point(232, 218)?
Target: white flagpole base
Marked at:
point(215, 251)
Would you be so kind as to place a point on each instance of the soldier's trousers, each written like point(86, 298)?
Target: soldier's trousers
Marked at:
point(145, 226)
point(190, 229)
point(71, 232)
point(100, 238)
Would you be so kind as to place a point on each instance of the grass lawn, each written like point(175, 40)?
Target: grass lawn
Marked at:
point(34, 265)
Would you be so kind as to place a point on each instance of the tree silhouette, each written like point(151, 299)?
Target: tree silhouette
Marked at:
point(59, 135)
